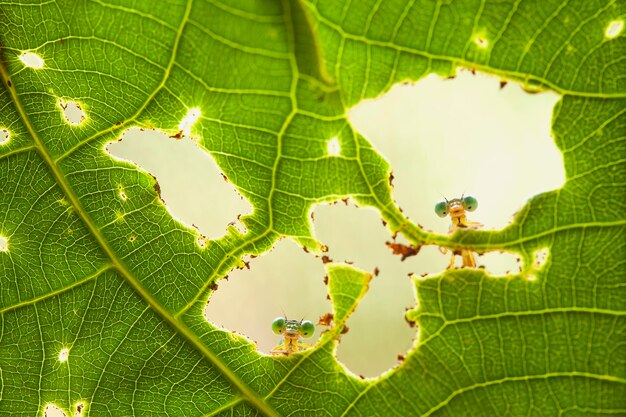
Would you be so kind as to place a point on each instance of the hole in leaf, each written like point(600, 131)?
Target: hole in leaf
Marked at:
point(464, 136)
point(202, 241)
point(32, 60)
point(5, 135)
point(614, 28)
point(500, 263)
point(285, 281)
point(333, 147)
point(378, 332)
point(64, 354)
point(189, 182)
point(52, 410)
point(189, 120)
point(72, 112)
point(4, 244)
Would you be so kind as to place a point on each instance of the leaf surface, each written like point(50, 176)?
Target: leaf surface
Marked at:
point(122, 285)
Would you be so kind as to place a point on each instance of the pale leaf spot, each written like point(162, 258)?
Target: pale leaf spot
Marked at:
point(121, 193)
point(5, 135)
point(4, 244)
point(64, 354)
point(541, 256)
point(481, 42)
point(79, 409)
point(32, 60)
point(188, 178)
point(72, 112)
point(614, 28)
point(189, 120)
point(333, 147)
point(486, 138)
point(202, 241)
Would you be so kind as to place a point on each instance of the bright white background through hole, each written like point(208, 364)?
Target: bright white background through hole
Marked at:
point(52, 410)
point(72, 112)
point(64, 354)
point(614, 28)
point(464, 135)
point(441, 136)
point(378, 331)
point(285, 280)
point(4, 136)
point(191, 184)
point(32, 60)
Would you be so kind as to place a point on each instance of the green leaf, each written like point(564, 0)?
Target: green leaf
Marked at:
point(119, 285)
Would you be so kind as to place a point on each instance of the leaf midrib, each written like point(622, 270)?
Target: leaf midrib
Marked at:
point(117, 263)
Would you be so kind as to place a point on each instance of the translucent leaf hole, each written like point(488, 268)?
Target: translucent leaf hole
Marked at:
point(189, 120)
point(32, 60)
point(614, 28)
point(52, 410)
point(469, 135)
point(64, 355)
point(189, 182)
point(378, 332)
point(73, 112)
point(5, 135)
point(286, 281)
point(333, 147)
point(202, 241)
point(541, 257)
point(4, 244)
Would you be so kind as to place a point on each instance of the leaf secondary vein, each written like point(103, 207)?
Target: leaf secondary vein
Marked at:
point(458, 61)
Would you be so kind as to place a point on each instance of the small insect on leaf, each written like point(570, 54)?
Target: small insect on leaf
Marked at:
point(456, 208)
point(278, 325)
point(292, 331)
point(307, 329)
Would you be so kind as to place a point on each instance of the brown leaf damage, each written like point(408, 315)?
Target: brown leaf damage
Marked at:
point(403, 250)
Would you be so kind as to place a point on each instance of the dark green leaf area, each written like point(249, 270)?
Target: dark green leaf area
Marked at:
point(485, 340)
point(122, 357)
point(369, 44)
point(49, 247)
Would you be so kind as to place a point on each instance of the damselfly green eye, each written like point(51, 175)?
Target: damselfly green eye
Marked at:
point(278, 325)
point(307, 328)
point(470, 203)
point(441, 209)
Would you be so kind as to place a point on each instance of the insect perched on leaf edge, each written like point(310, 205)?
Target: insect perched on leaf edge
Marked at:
point(456, 208)
point(291, 330)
